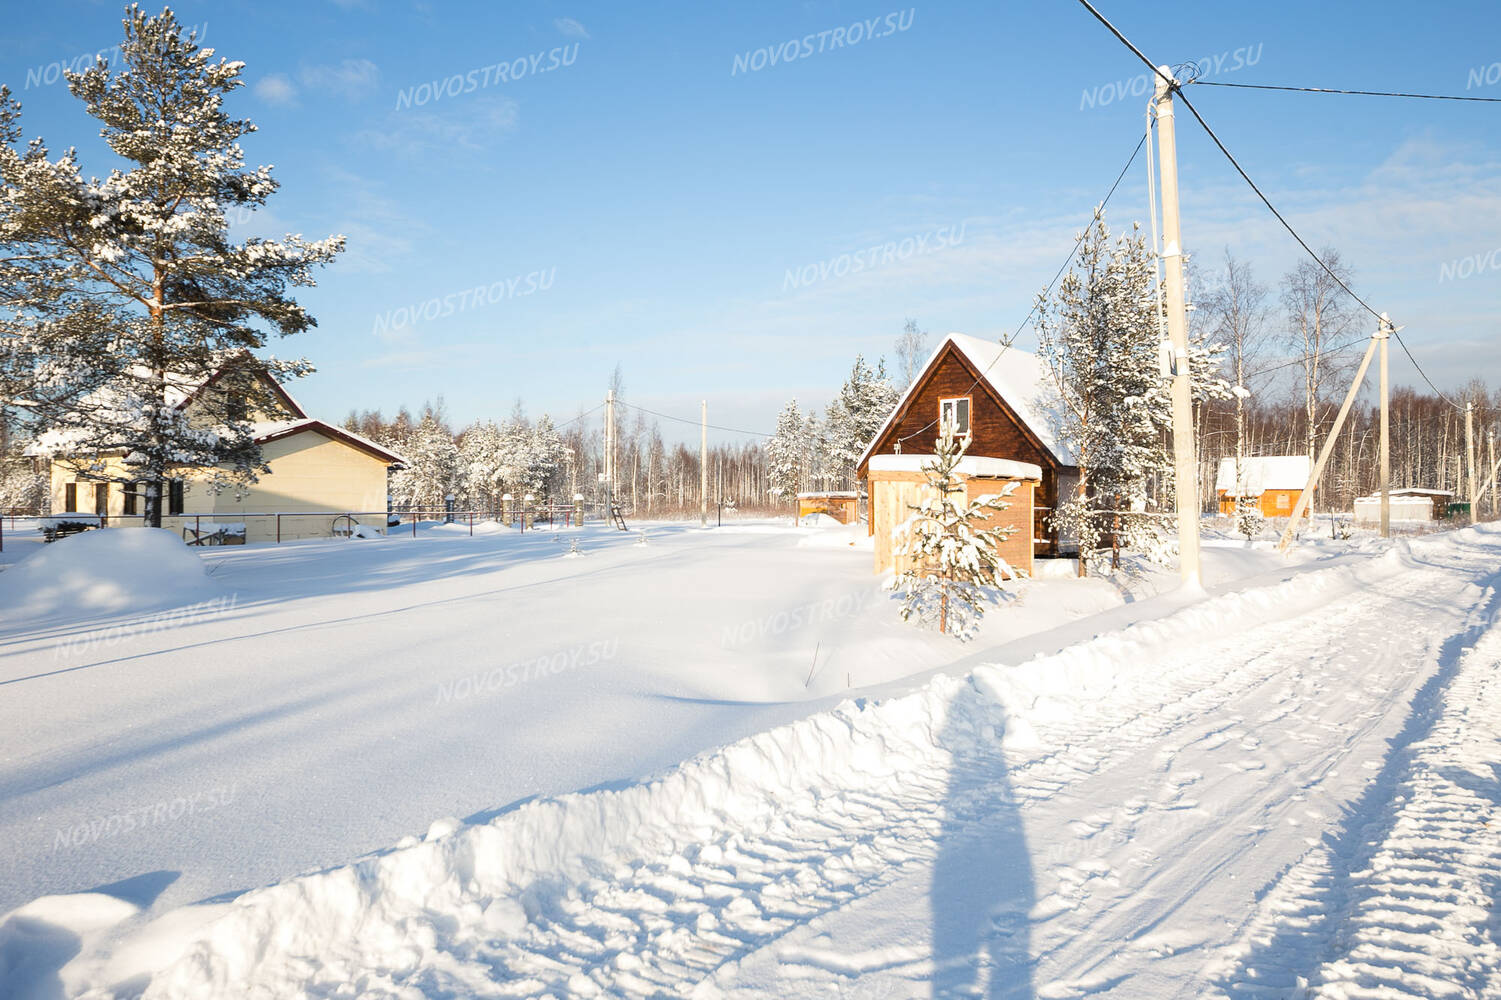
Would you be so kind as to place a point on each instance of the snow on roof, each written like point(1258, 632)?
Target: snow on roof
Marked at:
point(1411, 491)
point(969, 465)
point(1017, 377)
point(829, 495)
point(265, 430)
point(1267, 472)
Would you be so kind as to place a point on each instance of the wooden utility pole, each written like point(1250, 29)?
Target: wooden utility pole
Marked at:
point(1384, 335)
point(703, 464)
point(1185, 463)
point(1470, 456)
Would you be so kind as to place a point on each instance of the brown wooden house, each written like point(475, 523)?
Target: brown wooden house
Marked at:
point(1000, 398)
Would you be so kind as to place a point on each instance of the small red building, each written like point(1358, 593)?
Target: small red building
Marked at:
point(998, 397)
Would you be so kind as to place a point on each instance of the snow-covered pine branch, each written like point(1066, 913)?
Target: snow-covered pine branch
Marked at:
point(950, 553)
point(127, 293)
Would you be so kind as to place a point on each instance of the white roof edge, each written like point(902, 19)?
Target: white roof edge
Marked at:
point(279, 427)
point(970, 465)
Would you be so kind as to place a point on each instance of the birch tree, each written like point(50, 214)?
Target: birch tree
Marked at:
point(1236, 309)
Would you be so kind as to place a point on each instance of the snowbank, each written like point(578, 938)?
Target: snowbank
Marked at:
point(433, 915)
point(107, 571)
point(820, 521)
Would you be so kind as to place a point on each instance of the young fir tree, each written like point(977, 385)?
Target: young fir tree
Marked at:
point(146, 259)
point(784, 454)
point(854, 417)
point(950, 554)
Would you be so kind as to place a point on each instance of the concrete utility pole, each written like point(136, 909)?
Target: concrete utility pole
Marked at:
point(1470, 456)
point(703, 464)
point(1492, 472)
point(1384, 333)
point(1185, 463)
point(1318, 466)
point(610, 454)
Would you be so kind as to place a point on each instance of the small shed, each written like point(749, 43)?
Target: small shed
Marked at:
point(841, 505)
point(1275, 482)
point(1409, 504)
point(902, 485)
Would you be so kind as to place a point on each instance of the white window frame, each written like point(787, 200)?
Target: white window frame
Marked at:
point(944, 404)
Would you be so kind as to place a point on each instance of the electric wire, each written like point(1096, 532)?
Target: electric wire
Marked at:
point(1078, 241)
point(1330, 90)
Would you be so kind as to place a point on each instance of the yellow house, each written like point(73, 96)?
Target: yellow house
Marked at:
point(318, 472)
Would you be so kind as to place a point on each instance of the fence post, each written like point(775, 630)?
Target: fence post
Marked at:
point(414, 523)
point(278, 529)
point(197, 529)
point(471, 524)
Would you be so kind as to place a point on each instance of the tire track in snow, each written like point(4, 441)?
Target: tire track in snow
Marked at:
point(728, 853)
point(1402, 902)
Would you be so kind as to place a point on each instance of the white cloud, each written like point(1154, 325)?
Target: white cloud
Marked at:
point(475, 124)
point(570, 27)
point(352, 78)
point(275, 89)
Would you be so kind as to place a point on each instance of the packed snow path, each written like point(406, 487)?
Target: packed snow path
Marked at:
point(1287, 789)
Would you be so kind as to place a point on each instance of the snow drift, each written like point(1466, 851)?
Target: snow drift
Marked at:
point(446, 915)
point(107, 571)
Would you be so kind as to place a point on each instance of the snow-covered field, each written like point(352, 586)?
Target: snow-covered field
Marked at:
point(717, 765)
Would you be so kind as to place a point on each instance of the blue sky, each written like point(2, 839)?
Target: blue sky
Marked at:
point(654, 175)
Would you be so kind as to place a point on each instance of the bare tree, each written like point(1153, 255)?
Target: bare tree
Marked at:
point(1320, 316)
point(911, 352)
point(1236, 310)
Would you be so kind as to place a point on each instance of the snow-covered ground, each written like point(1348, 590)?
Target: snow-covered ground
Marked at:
point(1108, 793)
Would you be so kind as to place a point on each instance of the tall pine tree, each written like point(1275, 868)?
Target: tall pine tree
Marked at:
point(146, 256)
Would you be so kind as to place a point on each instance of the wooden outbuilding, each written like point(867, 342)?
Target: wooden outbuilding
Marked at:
point(1000, 399)
point(841, 505)
point(1273, 482)
point(1408, 504)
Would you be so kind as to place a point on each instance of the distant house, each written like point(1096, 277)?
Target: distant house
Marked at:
point(841, 505)
point(998, 398)
point(315, 467)
point(1405, 505)
point(1274, 483)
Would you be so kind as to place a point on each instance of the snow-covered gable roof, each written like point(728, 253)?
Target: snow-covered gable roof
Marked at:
point(271, 430)
point(969, 465)
point(1267, 472)
point(1016, 376)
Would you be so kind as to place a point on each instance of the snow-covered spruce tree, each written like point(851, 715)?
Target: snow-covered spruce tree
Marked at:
point(146, 256)
point(482, 465)
point(546, 455)
point(951, 556)
point(854, 417)
point(784, 454)
point(432, 470)
point(1098, 338)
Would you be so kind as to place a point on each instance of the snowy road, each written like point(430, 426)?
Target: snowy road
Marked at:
point(1292, 785)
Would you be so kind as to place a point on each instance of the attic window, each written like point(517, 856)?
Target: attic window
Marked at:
point(956, 412)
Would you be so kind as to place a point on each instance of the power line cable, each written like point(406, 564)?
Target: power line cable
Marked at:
point(1175, 87)
point(1330, 90)
point(1078, 241)
point(1419, 367)
point(695, 423)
